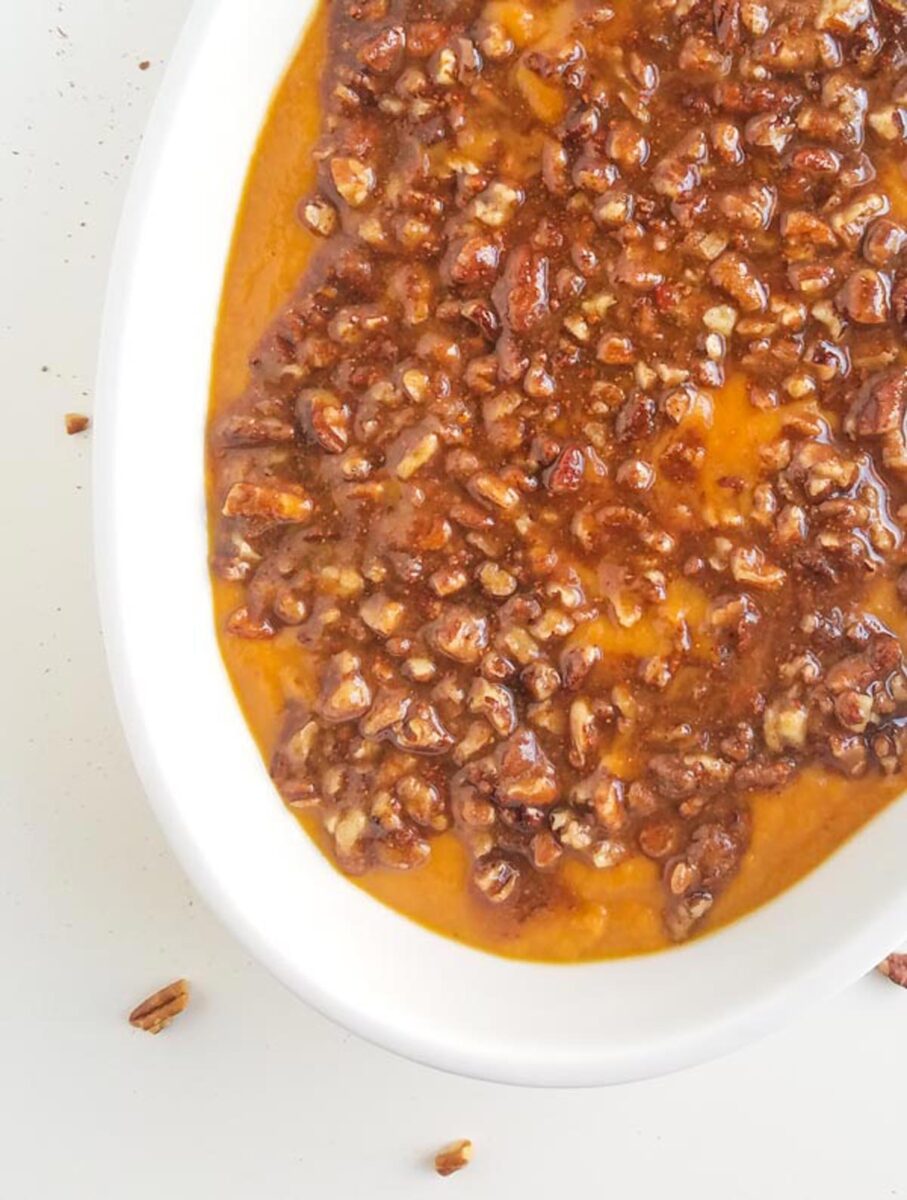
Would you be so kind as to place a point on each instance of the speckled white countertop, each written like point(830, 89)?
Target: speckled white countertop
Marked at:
point(251, 1096)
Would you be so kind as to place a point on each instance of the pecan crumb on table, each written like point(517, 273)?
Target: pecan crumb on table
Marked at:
point(454, 1157)
point(568, 489)
point(155, 1013)
point(895, 968)
point(76, 422)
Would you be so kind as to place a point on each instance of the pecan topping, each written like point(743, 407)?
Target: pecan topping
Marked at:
point(563, 510)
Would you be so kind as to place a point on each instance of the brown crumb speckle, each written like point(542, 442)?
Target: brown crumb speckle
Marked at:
point(144, 64)
point(158, 1010)
point(454, 1157)
point(76, 423)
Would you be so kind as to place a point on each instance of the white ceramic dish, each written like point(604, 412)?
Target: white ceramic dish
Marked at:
point(366, 967)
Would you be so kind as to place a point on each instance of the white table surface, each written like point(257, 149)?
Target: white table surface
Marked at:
point(250, 1095)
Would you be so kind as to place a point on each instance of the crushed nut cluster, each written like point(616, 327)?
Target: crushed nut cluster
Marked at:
point(474, 476)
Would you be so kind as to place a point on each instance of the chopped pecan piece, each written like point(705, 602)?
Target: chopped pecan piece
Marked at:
point(522, 297)
point(895, 968)
point(288, 503)
point(156, 1013)
point(878, 413)
point(354, 180)
point(734, 275)
point(345, 695)
point(242, 624)
point(496, 879)
point(454, 1157)
point(325, 418)
point(76, 423)
point(460, 634)
point(865, 297)
point(566, 473)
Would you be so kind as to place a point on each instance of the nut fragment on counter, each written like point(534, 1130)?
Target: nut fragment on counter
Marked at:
point(76, 423)
point(894, 967)
point(156, 1013)
point(453, 1157)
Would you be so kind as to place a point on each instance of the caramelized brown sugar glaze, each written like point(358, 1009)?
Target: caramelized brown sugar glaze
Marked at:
point(556, 516)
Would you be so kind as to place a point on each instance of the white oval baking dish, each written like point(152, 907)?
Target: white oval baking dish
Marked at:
point(356, 961)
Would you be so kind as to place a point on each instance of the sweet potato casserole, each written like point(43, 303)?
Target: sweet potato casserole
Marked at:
point(558, 520)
